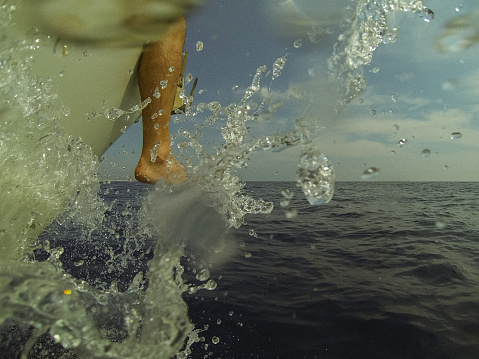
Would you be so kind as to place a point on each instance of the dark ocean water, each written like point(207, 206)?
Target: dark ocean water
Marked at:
point(385, 270)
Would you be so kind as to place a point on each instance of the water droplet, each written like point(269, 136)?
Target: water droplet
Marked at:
point(314, 36)
point(449, 85)
point(315, 177)
point(235, 87)
point(79, 263)
point(375, 70)
point(203, 275)
point(402, 142)
point(426, 153)
point(230, 313)
point(292, 213)
point(218, 321)
point(199, 46)
point(211, 285)
point(156, 125)
point(373, 112)
point(395, 98)
point(440, 223)
point(247, 255)
point(278, 65)
point(163, 84)
point(287, 194)
point(171, 69)
point(298, 43)
point(215, 340)
point(156, 93)
point(456, 135)
point(61, 73)
point(252, 233)
point(427, 15)
point(370, 173)
point(284, 203)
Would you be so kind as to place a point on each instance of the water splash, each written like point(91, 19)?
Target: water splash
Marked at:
point(355, 46)
point(315, 176)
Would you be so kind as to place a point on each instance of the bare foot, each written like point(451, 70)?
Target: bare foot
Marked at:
point(151, 172)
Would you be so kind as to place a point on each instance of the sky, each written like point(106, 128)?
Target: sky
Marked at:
point(414, 93)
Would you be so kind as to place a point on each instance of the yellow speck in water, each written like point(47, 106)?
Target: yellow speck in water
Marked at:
point(67, 291)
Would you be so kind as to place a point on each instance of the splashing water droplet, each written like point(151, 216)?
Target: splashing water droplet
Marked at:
point(292, 213)
point(211, 285)
point(402, 142)
point(456, 135)
point(199, 46)
point(287, 194)
point(278, 65)
point(426, 153)
point(203, 275)
point(427, 15)
point(440, 223)
point(315, 177)
point(370, 173)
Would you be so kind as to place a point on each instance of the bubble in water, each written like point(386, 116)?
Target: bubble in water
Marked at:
point(215, 340)
point(199, 46)
point(298, 43)
point(203, 275)
point(426, 153)
point(370, 173)
point(315, 177)
point(402, 142)
point(456, 135)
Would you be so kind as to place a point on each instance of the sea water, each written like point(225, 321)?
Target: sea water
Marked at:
point(108, 282)
point(384, 270)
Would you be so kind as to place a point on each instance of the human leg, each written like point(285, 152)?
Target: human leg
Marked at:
point(159, 71)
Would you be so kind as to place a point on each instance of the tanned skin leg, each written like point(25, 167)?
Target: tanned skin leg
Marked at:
point(160, 61)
